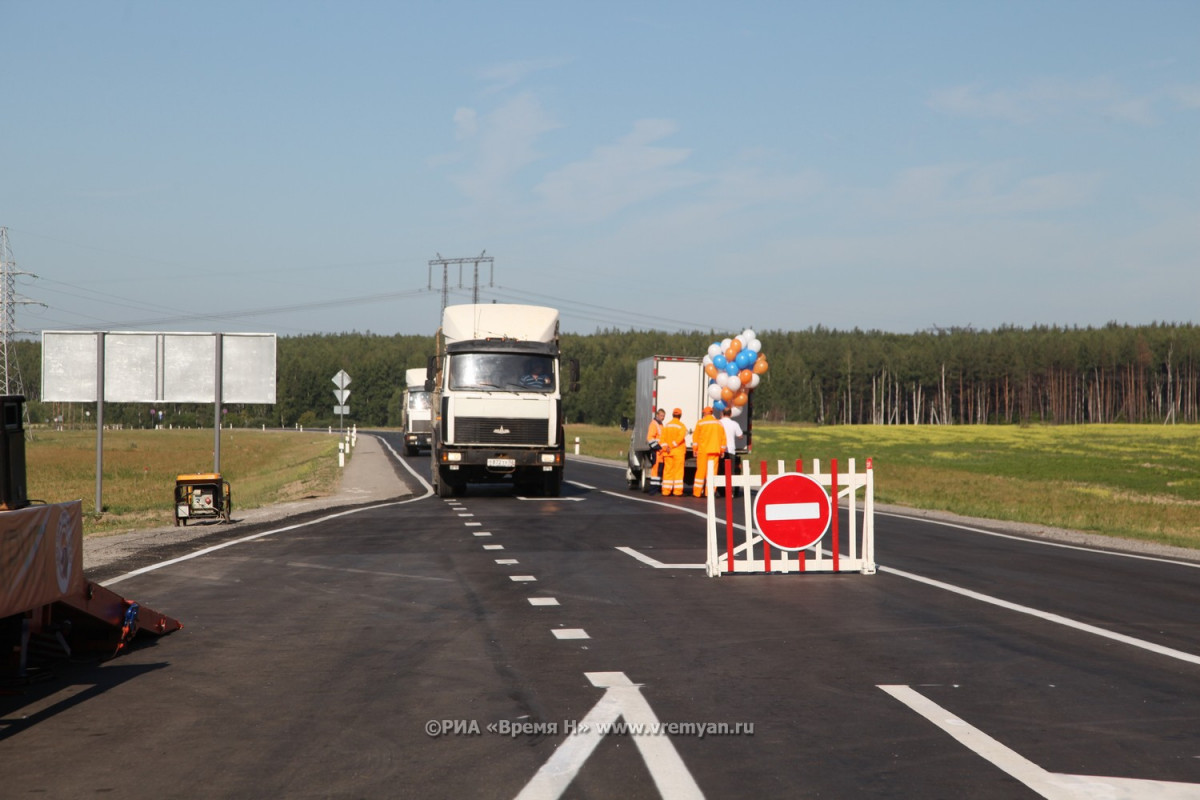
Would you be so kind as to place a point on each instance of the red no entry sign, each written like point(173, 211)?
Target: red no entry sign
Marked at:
point(792, 511)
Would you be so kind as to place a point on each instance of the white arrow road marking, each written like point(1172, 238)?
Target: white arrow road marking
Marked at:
point(622, 698)
point(1051, 785)
point(783, 512)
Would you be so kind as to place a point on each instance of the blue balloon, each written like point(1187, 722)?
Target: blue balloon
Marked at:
point(745, 359)
point(720, 362)
point(719, 406)
point(731, 367)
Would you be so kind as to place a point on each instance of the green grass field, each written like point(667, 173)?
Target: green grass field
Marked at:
point(140, 468)
point(1132, 481)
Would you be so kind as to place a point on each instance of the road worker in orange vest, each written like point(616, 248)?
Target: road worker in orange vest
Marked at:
point(653, 434)
point(674, 454)
point(708, 440)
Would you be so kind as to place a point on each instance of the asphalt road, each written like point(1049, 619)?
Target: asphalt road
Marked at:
point(318, 659)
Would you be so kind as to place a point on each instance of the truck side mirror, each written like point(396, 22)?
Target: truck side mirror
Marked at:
point(430, 373)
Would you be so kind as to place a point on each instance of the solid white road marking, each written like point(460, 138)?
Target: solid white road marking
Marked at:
point(257, 536)
point(543, 601)
point(1052, 785)
point(552, 499)
point(1048, 617)
point(1042, 542)
point(522, 578)
point(645, 559)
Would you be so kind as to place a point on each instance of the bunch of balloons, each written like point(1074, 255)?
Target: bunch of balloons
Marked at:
point(734, 367)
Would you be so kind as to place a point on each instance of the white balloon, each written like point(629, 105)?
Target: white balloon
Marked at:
point(714, 391)
point(706, 360)
point(713, 349)
point(754, 379)
point(721, 379)
point(756, 345)
point(742, 338)
point(736, 412)
point(749, 334)
point(725, 344)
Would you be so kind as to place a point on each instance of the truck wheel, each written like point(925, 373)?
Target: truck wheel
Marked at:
point(440, 486)
point(552, 484)
point(409, 450)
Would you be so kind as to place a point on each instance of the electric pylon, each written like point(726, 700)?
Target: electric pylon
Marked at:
point(482, 258)
point(9, 300)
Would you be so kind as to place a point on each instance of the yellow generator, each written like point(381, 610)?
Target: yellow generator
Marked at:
point(203, 494)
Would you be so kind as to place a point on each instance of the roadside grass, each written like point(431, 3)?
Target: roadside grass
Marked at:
point(1131, 481)
point(139, 469)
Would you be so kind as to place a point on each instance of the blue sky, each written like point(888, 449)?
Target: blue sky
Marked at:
point(293, 167)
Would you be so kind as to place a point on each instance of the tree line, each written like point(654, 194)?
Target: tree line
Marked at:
point(1114, 373)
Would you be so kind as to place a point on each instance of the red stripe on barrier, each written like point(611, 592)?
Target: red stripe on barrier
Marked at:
point(802, 556)
point(833, 492)
point(729, 512)
point(762, 471)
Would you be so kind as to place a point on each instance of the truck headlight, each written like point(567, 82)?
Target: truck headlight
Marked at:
point(549, 458)
point(454, 456)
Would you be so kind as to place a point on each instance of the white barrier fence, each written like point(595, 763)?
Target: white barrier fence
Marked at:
point(754, 554)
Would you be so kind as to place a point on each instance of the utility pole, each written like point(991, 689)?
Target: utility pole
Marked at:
point(445, 263)
point(9, 300)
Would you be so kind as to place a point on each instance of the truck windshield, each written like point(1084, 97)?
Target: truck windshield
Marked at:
point(501, 372)
point(418, 401)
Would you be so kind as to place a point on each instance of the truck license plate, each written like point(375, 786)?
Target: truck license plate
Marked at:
point(502, 462)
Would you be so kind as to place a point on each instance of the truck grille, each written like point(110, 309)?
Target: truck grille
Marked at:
point(421, 426)
point(477, 430)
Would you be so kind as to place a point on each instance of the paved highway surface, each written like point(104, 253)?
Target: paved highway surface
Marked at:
point(477, 647)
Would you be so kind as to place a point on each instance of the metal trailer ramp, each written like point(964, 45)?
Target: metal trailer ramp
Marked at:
point(48, 608)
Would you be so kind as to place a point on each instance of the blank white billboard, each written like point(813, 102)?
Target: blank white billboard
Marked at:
point(144, 367)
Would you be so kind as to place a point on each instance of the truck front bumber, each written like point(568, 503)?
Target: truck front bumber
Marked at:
point(499, 460)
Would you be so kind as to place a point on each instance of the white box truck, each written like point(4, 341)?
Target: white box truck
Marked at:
point(416, 411)
point(671, 382)
point(497, 399)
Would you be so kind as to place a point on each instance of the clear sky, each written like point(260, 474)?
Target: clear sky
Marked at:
point(293, 167)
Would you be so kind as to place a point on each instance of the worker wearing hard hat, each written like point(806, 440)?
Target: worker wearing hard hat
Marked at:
point(708, 440)
point(653, 434)
point(674, 454)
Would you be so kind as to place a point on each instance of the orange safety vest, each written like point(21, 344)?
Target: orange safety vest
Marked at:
point(654, 431)
point(674, 434)
point(708, 437)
